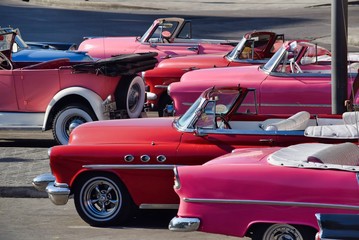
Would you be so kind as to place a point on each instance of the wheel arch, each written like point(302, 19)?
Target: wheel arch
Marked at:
point(67, 96)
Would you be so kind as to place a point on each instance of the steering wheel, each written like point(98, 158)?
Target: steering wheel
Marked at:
point(224, 122)
point(5, 63)
point(294, 67)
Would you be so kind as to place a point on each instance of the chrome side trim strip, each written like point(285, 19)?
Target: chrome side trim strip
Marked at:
point(287, 105)
point(158, 206)
point(274, 203)
point(132, 166)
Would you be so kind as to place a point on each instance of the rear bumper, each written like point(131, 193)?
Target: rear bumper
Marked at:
point(179, 224)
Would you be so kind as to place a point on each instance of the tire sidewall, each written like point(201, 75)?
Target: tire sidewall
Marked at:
point(118, 216)
point(63, 116)
point(137, 80)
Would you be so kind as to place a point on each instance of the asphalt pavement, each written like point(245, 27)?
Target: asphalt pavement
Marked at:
point(23, 155)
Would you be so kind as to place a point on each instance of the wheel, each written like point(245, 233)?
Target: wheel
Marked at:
point(102, 200)
point(67, 119)
point(5, 63)
point(283, 232)
point(131, 96)
point(162, 103)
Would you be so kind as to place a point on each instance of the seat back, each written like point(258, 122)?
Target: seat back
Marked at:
point(298, 121)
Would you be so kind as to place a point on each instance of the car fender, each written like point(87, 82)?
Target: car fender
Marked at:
point(93, 98)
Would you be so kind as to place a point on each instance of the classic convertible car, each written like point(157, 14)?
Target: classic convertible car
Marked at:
point(110, 167)
point(268, 193)
point(166, 36)
point(253, 49)
point(337, 226)
point(294, 79)
point(58, 95)
point(29, 53)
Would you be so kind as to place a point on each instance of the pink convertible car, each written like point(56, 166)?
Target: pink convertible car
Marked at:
point(166, 36)
point(294, 79)
point(58, 95)
point(268, 193)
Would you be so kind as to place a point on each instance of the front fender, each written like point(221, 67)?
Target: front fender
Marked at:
point(93, 98)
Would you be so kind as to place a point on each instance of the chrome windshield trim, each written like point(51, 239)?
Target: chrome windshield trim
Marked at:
point(130, 166)
point(273, 203)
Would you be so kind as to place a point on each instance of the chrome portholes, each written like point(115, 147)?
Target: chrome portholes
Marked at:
point(129, 158)
point(161, 158)
point(145, 158)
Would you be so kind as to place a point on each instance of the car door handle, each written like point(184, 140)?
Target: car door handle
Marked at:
point(194, 49)
point(269, 140)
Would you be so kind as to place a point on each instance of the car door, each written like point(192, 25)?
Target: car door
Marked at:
point(294, 92)
point(8, 100)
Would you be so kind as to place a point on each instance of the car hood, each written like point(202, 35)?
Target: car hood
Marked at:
point(244, 156)
point(221, 75)
point(42, 55)
point(199, 61)
point(126, 131)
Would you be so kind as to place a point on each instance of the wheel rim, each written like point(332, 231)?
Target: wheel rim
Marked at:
point(101, 199)
point(134, 97)
point(71, 123)
point(282, 232)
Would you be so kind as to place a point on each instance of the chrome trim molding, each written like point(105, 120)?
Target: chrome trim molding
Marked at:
point(274, 203)
point(132, 166)
point(145, 158)
point(128, 158)
point(158, 206)
point(178, 224)
point(161, 158)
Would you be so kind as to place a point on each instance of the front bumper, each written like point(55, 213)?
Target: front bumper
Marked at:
point(58, 192)
point(179, 224)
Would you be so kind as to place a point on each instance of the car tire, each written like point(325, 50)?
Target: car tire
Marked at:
point(131, 96)
point(102, 200)
point(68, 118)
point(283, 231)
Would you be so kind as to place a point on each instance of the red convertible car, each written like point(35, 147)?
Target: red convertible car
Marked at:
point(166, 36)
point(114, 167)
point(254, 48)
point(58, 95)
point(294, 79)
point(268, 193)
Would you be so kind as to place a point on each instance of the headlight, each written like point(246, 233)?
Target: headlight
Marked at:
point(177, 183)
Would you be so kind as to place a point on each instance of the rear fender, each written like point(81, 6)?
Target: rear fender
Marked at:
point(93, 98)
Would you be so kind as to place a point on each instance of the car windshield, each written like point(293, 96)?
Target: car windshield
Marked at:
point(187, 117)
point(233, 54)
point(274, 60)
point(154, 33)
point(5, 41)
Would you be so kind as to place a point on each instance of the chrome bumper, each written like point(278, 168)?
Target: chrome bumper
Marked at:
point(151, 96)
point(40, 182)
point(178, 224)
point(58, 192)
